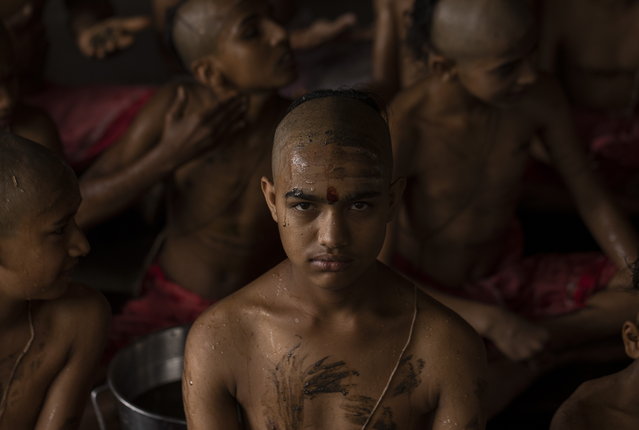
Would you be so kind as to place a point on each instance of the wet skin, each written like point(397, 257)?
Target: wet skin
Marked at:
point(462, 140)
point(592, 47)
point(52, 381)
point(607, 402)
point(312, 342)
point(219, 235)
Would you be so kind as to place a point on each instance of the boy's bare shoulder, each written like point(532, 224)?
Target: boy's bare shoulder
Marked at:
point(81, 310)
point(413, 98)
point(443, 330)
point(238, 312)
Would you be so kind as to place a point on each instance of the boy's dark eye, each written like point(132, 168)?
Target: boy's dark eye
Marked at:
point(302, 206)
point(507, 68)
point(59, 231)
point(250, 32)
point(360, 206)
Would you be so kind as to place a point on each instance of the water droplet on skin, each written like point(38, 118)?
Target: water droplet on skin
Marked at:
point(190, 382)
point(297, 320)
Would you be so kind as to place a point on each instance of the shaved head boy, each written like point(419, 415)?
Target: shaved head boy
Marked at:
point(52, 332)
point(462, 138)
point(331, 338)
point(208, 139)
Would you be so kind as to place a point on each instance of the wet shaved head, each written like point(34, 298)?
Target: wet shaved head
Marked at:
point(27, 172)
point(466, 28)
point(345, 124)
point(196, 25)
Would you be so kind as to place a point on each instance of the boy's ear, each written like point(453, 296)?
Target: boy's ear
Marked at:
point(268, 189)
point(207, 72)
point(441, 66)
point(395, 197)
point(630, 335)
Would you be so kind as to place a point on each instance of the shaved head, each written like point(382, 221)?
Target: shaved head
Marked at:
point(196, 25)
point(345, 124)
point(463, 28)
point(27, 172)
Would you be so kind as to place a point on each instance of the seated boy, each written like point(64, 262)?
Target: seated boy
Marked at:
point(52, 332)
point(331, 338)
point(609, 402)
point(592, 46)
point(16, 117)
point(210, 154)
point(394, 66)
point(462, 138)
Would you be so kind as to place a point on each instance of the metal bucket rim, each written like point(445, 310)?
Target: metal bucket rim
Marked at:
point(118, 395)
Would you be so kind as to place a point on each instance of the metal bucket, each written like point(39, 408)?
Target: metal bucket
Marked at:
point(146, 379)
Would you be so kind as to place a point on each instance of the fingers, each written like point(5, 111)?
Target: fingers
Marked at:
point(179, 104)
point(134, 24)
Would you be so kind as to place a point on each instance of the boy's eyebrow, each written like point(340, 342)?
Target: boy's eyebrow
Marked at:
point(362, 195)
point(249, 18)
point(299, 194)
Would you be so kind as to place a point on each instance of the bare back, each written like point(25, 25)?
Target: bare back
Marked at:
point(592, 44)
point(290, 370)
point(463, 175)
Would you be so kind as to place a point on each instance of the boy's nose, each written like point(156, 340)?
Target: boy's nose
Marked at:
point(332, 232)
point(78, 243)
point(528, 73)
point(7, 100)
point(277, 33)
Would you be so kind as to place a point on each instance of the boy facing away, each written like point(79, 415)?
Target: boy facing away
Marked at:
point(461, 138)
point(609, 402)
point(331, 338)
point(208, 138)
point(52, 332)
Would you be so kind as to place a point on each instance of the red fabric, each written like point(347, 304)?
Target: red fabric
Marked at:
point(613, 142)
point(162, 304)
point(535, 287)
point(91, 118)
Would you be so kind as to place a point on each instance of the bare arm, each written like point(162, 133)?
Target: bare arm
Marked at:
point(86, 319)
point(156, 144)
point(461, 378)
point(606, 222)
point(386, 49)
point(97, 32)
point(208, 383)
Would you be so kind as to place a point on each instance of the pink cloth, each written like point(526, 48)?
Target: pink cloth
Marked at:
point(535, 287)
point(91, 118)
point(613, 141)
point(163, 303)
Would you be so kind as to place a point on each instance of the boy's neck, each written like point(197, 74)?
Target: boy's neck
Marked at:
point(460, 101)
point(12, 312)
point(325, 303)
point(256, 104)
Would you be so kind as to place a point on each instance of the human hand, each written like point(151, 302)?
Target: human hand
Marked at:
point(113, 34)
point(185, 136)
point(515, 337)
point(322, 31)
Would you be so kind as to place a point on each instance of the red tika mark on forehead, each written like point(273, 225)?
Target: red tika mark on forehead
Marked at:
point(331, 195)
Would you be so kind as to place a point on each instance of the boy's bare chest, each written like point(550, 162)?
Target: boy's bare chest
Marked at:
point(225, 181)
point(25, 378)
point(490, 152)
point(602, 39)
point(311, 382)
